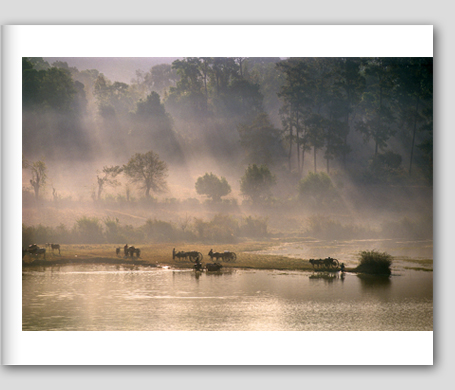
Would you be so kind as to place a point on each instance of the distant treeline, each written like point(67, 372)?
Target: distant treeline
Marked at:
point(351, 113)
point(221, 228)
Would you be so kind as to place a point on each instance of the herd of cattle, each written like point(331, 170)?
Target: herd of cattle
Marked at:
point(196, 257)
point(35, 250)
point(129, 251)
point(193, 256)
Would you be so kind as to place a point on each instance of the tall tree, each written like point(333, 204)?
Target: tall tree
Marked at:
point(261, 141)
point(148, 171)
point(415, 79)
point(378, 119)
point(297, 97)
point(351, 82)
point(160, 78)
point(107, 177)
point(212, 186)
point(257, 182)
point(38, 170)
point(151, 123)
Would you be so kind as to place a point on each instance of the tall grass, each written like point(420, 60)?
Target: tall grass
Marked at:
point(373, 262)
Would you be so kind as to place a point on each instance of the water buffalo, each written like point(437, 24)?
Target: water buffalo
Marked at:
point(55, 246)
point(213, 266)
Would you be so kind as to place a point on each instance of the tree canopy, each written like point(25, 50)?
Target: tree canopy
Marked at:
point(148, 171)
point(212, 186)
point(245, 110)
point(257, 182)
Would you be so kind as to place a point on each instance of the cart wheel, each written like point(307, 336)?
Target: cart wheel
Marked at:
point(335, 263)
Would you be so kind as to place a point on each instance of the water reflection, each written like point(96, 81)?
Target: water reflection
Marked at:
point(328, 277)
point(98, 297)
point(375, 281)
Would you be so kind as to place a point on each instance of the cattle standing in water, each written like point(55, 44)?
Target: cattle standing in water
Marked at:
point(213, 267)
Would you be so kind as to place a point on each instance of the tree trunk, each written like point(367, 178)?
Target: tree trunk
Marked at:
point(35, 185)
point(297, 144)
point(380, 122)
point(414, 135)
point(290, 146)
point(346, 139)
point(303, 158)
point(314, 147)
point(36, 189)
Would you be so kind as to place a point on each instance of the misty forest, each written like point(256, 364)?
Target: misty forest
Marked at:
point(227, 150)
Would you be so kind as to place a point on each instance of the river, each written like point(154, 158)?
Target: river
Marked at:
point(138, 298)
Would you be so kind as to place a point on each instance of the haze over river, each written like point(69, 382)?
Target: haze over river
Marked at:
point(135, 298)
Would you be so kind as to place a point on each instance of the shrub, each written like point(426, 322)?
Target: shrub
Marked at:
point(385, 168)
point(222, 228)
point(212, 186)
point(253, 227)
point(324, 227)
point(256, 183)
point(317, 190)
point(89, 230)
point(373, 262)
point(159, 231)
point(114, 232)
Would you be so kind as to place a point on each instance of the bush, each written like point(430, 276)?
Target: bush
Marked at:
point(253, 227)
point(114, 232)
point(317, 190)
point(159, 231)
point(89, 230)
point(373, 262)
point(324, 227)
point(212, 186)
point(222, 228)
point(385, 168)
point(256, 183)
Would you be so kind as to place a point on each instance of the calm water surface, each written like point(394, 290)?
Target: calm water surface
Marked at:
point(108, 297)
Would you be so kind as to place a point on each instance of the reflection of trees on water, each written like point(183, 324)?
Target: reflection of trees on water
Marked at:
point(375, 281)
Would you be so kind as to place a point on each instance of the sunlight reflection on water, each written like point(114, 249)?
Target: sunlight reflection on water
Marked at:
point(98, 297)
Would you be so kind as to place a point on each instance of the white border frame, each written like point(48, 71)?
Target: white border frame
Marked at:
point(182, 348)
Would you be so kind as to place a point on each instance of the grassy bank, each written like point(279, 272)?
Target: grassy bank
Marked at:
point(161, 255)
point(247, 257)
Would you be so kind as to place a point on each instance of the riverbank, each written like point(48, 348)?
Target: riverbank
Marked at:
point(160, 255)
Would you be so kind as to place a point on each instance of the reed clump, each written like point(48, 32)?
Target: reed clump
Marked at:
point(374, 262)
